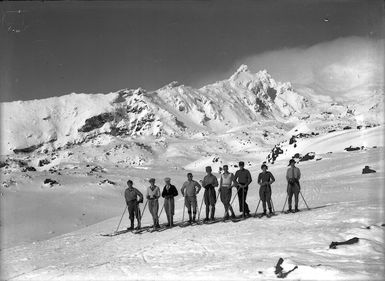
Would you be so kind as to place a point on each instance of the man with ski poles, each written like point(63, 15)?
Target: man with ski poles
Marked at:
point(189, 190)
point(209, 183)
point(131, 194)
point(153, 193)
point(225, 185)
point(168, 193)
point(293, 175)
point(243, 178)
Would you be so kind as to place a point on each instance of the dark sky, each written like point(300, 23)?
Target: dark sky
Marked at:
point(53, 48)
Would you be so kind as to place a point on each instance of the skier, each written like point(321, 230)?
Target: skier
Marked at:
point(265, 179)
point(225, 185)
point(131, 195)
point(189, 190)
point(243, 178)
point(209, 183)
point(293, 175)
point(153, 193)
point(169, 192)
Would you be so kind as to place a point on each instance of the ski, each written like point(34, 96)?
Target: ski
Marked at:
point(116, 233)
point(213, 221)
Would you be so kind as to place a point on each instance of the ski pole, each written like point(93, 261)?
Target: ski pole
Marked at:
point(272, 205)
point(144, 208)
point(243, 203)
point(236, 193)
point(284, 205)
point(121, 218)
point(161, 210)
point(304, 200)
point(169, 210)
point(200, 208)
point(184, 207)
point(219, 192)
point(259, 202)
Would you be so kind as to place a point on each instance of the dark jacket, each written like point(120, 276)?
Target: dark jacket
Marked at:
point(172, 192)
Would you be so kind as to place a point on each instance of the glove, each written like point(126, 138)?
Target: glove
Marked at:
point(148, 197)
point(140, 200)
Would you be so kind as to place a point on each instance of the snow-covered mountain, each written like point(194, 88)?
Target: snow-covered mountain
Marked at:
point(65, 162)
point(173, 110)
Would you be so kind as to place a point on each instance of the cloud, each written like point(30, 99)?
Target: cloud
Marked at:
point(335, 67)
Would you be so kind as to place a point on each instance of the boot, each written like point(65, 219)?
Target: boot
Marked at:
point(189, 217)
point(157, 223)
point(264, 212)
point(207, 214)
point(172, 221)
point(271, 212)
point(194, 216)
point(212, 217)
point(132, 226)
point(138, 226)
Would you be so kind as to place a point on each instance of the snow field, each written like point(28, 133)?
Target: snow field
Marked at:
point(345, 204)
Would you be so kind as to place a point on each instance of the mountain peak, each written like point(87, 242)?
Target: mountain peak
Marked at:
point(242, 68)
point(241, 71)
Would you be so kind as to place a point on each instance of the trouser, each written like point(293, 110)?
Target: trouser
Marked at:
point(169, 207)
point(153, 206)
point(242, 194)
point(191, 203)
point(293, 189)
point(225, 194)
point(133, 212)
point(210, 198)
point(265, 196)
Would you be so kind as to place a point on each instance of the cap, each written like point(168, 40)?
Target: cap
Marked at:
point(291, 161)
point(151, 180)
point(167, 179)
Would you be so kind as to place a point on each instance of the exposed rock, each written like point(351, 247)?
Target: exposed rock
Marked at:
point(96, 122)
point(308, 156)
point(43, 162)
point(350, 148)
point(367, 170)
point(31, 169)
point(50, 182)
point(27, 149)
point(106, 181)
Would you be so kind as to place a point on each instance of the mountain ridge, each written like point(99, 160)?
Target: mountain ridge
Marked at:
point(174, 110)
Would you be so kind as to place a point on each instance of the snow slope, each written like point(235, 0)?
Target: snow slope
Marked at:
point(345, 204)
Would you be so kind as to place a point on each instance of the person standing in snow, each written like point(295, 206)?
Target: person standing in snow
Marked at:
point(265, 179)
point(189, 191)
point(168, 193)
point(153, 193)
point(210, 198)
point(131, 194)
point(225, 185)
point(293, 175)
point(243, 178)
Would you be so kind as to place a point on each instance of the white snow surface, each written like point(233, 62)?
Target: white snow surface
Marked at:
point(344, 204)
